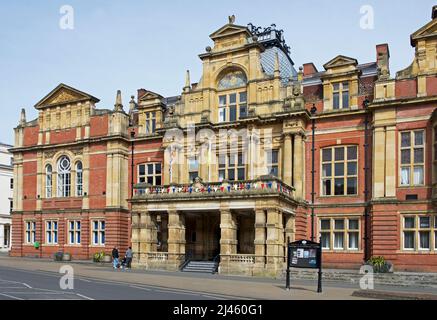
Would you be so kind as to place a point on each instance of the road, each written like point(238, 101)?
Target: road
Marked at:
point(18, 284)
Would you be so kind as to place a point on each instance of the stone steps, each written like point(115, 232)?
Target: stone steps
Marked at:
point(200, 267)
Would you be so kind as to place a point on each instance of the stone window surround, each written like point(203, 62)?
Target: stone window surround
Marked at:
point(31, 231)
point(53, 232)
point(146, 175)
point(412, 163)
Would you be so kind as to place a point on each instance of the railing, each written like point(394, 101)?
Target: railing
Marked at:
point(263, 185)
point(216, 260)
point(188, 257)
point(241, 258)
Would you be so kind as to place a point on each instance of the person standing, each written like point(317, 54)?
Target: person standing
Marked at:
point(115, 257)
point(129, 256)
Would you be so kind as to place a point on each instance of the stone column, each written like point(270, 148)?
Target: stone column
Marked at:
point(391, 166)
point(147, 236)
point(274, 244)
point(289, 228)
point(260, 239)
point(379, 163)
point(287, 160)
point(176, 239)
point(136, 230)
point(228, 227)
point(299, 165)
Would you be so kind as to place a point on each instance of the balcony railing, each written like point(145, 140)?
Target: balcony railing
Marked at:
point(262, 186)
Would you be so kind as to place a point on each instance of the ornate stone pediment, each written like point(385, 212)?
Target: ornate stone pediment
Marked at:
point(427, 31)
point(340, 61)
point(149, 95)
point(63, 94)
point(229, 30)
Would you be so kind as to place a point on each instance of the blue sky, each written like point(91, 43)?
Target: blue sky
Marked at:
point(128, 45)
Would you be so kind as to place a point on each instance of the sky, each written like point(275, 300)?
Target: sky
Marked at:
point(127, 45)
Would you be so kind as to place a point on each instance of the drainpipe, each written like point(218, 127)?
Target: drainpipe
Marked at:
point(366, 238)
point(313, 170)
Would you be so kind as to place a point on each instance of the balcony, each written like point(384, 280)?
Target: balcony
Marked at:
point(263, 187)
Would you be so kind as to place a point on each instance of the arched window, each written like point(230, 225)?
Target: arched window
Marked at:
point(79, 179)
point(232, 96)
point(49, 181)
point(64, 177)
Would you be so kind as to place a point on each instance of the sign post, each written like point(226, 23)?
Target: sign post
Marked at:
point(305, 254)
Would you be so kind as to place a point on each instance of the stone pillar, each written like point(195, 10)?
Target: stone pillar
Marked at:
point(136, 231)
point(147, 236)
point(391, 165)
point(2, 236)
point(299, 165)
point(176, 239)
point(228, 227)
point(289, 228)
point(274, 244)
point(287, 160)
point(260, 238)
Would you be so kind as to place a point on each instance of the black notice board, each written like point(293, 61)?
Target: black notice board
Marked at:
point(305, 254)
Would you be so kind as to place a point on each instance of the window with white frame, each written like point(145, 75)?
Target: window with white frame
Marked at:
point(98, 232)
point(51, 232)
point(340, 92)
point(232, 106)
point(340, 233)
point(272, 157)
point(340, 171)
point(232, 167)
point(49, 181)
point(150, 122)
point(30, 232)
point(79, 179)
point(193, 168)
point(74, 229)
point(412, 158)
point(64, 177)
point(11, 186)
point(150, 173)
point(419, 233)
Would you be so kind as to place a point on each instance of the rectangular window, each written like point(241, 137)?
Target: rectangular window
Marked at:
point(52, 232)
point(150, 173)
point(340, 171)
point(340, 234)
point(232, 107)
point(419, 233)
point(30, 232)
point(193, 168)
point(74, 229)
point(412, 158)
point(11, 186)
point(232, 167)
point(98, 232)
point(340, 95)
point(273, 162)
point(150, 122)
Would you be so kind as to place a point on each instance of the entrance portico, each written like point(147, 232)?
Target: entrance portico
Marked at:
point(244, 226)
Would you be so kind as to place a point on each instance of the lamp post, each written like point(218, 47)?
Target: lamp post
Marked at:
point(313, 169)
point(366, 181)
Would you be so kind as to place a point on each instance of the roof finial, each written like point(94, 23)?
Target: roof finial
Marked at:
point(23, 117)
point(132, 104)
point(434, 12)
point(277, 70)
point(232, 19)
point(187, 82)
point(118, 103)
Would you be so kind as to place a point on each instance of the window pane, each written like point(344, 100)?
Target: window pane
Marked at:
point(418, 138)
point(409, 240)
point(338, 240)
point(231, 174)
point(150, 169)
point(353, 240)
point(336, 86)
point(275, 156)
point(336, 101)
point(353, 224)
point(243, 97)
point(419, 155)
point(274, 171)
point(158, 180)
point(345, 86)
point(339, 154)
point(243, 111)
point(339, 169)
point(222, 115)
point(352, 169)
point(339, 224)
point(405, 176)
point(327, 155)
point(418, 176)
point(102, 225)
point(352, 153)
point(150, 180)
point(222, 100)
point(424, 240)
point(435, 223)
point(345, 99)
point(158, 168)
point(233, 98)
point(325, 224)
point(327, 187)
point(233, 113)
point(424, 222)
point(406, 139)
point(410, 223)
point(240, 160)
point(221, 175)
point(222, 161)
point(406, 156)
point(241, 175)
point(327, 170)
point(352, 186)
point(339, 187)
point(326, 241)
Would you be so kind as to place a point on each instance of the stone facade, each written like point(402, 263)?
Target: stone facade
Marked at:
point(223, 171)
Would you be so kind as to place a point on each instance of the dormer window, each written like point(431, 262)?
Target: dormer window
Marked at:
point(340, 92)
point(150, 122)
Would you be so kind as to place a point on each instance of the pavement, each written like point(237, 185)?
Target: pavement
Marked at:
point(27, 279)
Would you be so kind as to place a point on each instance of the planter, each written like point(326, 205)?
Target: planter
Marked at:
point(66, 257)
point(58, 256)
point(107, 259)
